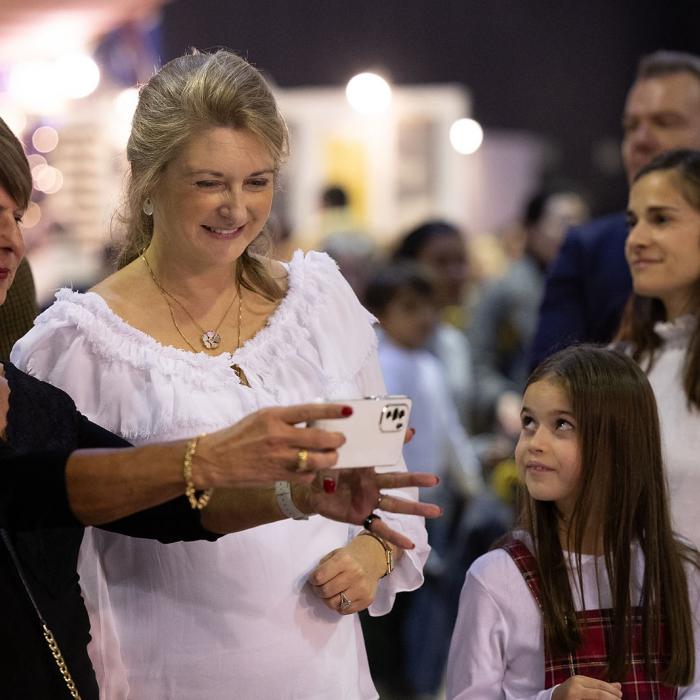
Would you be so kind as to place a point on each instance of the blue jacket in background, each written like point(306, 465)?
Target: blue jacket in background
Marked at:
point(586, 288)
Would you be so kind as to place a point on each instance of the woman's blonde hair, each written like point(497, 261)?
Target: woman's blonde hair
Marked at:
point(188, 95)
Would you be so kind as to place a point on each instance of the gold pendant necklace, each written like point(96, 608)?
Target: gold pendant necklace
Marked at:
point(210, 339)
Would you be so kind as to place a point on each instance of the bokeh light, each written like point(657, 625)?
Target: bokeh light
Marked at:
point(368, 93)
point(466, 136)
point(34, 160)
point(77, 75)
point(32, 216)
point(45, 139)
point(42, 87)
point(47, 179)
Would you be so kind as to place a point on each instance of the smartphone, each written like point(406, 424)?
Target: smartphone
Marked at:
point(374, 433)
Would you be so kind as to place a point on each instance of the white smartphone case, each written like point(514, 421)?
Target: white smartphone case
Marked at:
point(374, 433)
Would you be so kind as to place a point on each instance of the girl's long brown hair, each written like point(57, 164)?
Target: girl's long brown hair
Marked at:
point(622, 479)
point(642, 313)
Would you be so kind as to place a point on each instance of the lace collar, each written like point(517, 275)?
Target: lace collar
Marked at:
point(677, 331)
point(313, 279)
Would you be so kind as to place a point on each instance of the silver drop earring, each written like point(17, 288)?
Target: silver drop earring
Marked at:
point(147, 207)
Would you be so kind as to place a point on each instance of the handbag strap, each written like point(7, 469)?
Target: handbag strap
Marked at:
point(48, 634)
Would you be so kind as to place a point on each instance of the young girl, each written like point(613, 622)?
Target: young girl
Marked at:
point(589, 597)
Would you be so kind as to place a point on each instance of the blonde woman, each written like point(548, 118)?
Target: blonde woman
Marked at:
point(194, 332)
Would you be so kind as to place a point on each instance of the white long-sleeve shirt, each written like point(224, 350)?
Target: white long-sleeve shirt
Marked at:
point(497, 649)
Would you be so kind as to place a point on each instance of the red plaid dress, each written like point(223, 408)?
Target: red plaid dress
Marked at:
point(590, 659)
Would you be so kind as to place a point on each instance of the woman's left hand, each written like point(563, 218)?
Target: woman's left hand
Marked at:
point(356, 494)
point(346, 579)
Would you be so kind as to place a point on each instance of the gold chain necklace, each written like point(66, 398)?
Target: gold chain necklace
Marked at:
point(210, 339)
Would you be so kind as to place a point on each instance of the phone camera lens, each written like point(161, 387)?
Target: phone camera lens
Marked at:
point(402, 413)
point(399, 426)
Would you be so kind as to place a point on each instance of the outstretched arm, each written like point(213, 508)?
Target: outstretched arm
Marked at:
point(356, 496)
point(105, 485)
point(110, 480)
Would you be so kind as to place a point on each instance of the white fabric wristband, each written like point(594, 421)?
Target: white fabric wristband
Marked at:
point(283, 494)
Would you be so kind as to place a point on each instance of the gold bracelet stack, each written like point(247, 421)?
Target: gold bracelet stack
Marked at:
point(190, 491)
point(388, 551)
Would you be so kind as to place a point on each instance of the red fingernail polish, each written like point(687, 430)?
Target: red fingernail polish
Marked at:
point(328, 484)
point(346, 411)
point(412, 431)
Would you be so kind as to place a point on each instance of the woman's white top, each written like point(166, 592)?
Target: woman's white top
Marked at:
point(233, 619)
point(680, 426)
point(497, 650)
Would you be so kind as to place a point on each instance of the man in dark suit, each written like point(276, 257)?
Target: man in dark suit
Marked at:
point(589, 282)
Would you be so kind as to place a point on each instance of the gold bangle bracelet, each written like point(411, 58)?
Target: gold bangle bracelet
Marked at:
point(190, 490)
point(388, 551)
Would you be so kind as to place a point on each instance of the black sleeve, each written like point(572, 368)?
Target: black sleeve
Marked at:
point(91, 435)
point(33, 493)
point(173, 521)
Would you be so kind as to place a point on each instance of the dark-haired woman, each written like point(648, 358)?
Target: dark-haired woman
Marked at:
point(660, 323)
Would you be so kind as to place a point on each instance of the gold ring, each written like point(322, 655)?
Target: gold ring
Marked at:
point(345, 602)
point(302, 460)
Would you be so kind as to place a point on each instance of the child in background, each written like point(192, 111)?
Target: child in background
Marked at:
point(403, 299)
point(593, 596)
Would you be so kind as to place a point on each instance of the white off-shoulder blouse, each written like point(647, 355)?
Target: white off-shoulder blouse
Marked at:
point(234, 618)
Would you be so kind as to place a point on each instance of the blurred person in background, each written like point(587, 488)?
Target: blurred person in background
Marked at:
point(197, 329)
point(505, 316)
point(441, 249)
point(589, 282)
point(19, 310)
point(356, 254)
point(335, 214)
point(402, 296)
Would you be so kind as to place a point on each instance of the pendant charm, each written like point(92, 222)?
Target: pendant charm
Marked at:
point(210, 340)
point(240, 374)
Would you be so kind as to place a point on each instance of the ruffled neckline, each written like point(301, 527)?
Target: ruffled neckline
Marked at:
point(678, 330)
point(285, 328)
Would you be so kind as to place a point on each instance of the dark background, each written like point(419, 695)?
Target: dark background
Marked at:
point(557, 68)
